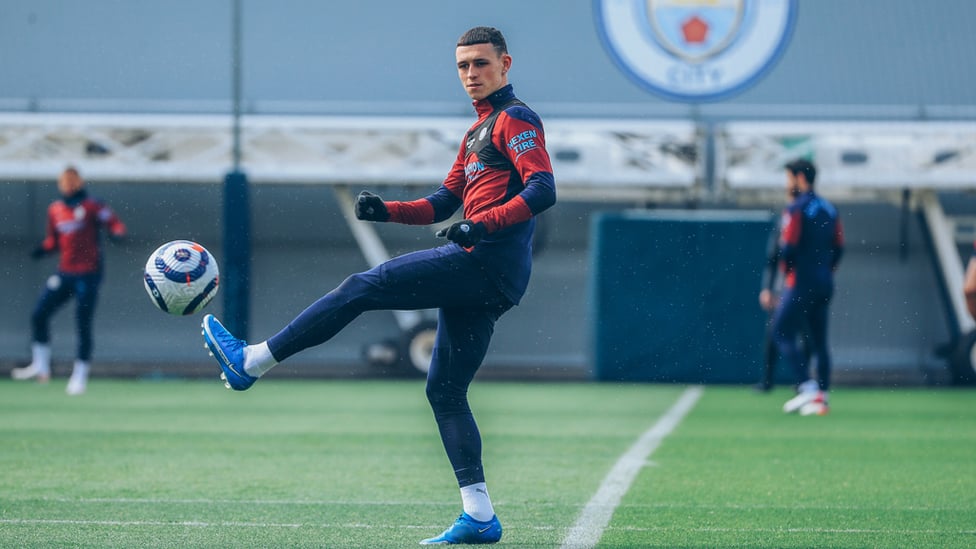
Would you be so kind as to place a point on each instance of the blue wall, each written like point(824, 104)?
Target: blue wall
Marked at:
point(882, 57)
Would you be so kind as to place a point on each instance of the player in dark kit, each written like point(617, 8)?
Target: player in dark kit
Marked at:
point(74, 225)
point(769, 295)
point(811, 245)
point(502, 178)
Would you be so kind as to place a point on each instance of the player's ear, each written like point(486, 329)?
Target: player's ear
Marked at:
point(506, 63)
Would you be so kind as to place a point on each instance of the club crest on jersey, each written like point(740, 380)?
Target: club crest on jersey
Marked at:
point(484, 132)
point(695, 50)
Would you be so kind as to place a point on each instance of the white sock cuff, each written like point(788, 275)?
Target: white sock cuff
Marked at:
point(476, 502)
point(258, 359)
point(41, 356)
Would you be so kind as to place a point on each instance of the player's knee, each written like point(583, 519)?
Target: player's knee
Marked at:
point(447, 398)
point(358, 291)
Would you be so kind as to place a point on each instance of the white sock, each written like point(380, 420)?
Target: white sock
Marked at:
point(41, 357)
point(258, 359)
point(81, 368)
point(476, 502)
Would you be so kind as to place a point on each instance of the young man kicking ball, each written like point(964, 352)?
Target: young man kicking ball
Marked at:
point(502, 178)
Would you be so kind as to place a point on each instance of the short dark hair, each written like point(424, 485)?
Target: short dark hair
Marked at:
point(804, 166)
point(484, 35)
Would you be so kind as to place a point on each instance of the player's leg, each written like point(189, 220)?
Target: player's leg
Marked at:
point(788, 321)
point(817, 319)
point(54, 295)
point(463, 335)
point(428, 279)
point(770, 357)
point(817, 314)
point(86, 297)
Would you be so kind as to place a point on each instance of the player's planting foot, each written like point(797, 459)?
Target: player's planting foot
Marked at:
point(229, 352)
point(817, 406)
point(78, 382)
point(806, 393)
point(31, 371)
point(470, 531)
point(762, 387)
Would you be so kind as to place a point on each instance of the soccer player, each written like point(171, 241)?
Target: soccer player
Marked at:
point(74, 226)
point(969, 285)
point(811, 244)
point(502, 178)
point(771, 288)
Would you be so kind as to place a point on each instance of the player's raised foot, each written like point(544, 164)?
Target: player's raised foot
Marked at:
point(817, 406)
point(467, 530)
point(229, 352)
point(805, 393)
point(31, 371)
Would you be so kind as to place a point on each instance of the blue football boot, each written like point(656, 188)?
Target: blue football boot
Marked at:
point(470, 531)
point(229, 352)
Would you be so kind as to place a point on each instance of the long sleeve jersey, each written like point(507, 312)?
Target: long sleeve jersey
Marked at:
point(811, 243)
point(502, 177)
point(74, 225)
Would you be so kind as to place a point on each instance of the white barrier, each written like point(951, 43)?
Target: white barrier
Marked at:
point(879, 155)
point(330, 150)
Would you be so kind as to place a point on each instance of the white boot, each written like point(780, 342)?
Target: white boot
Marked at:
point(40, 366)
point(79, 378)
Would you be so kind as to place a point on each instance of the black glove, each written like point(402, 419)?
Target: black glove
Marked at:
point(370, 207)
point(465, 233)
point(38, 252)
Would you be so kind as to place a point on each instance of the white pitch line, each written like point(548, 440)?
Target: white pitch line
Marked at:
point(595, 517)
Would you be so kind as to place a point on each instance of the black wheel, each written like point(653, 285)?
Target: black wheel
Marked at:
point(418, 347)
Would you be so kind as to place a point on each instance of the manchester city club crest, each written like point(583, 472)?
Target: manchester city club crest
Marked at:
point(695, 50)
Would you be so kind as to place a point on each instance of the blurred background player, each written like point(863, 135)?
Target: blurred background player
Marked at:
point(502, 178)
point(769, 294)
point(969, 285)
point(811, 244)
point(74, 226)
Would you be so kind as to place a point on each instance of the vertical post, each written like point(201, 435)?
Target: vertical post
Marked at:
point(237, 209)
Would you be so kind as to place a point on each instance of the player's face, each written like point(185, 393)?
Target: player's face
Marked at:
point(482, 70)
point(69, 183)
point(792, 185)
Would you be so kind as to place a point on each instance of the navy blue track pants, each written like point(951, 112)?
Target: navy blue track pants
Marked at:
point(469, 302)
point(59, 289)
point(799, 310)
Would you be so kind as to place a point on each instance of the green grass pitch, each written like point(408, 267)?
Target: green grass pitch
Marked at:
point(359, 464)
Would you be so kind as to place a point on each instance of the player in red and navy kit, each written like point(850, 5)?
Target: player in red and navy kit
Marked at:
point(811, 245)
point(502, 178)
point(74, 227)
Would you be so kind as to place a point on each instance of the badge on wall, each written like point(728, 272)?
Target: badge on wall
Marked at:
point(695, 50)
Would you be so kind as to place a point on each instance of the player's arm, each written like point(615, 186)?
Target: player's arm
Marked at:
point(769, 271)
point(107, 217)
point(838, 244)
point(969, 286)
point(50, 242)
point(436, 207)
point(789, 236)
point(520, 136)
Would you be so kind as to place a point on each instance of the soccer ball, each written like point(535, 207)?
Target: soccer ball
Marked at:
point(181, 277)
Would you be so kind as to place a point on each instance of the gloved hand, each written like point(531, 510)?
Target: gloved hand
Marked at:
point(370, 207)
point(464, 233)
point(38, 252)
